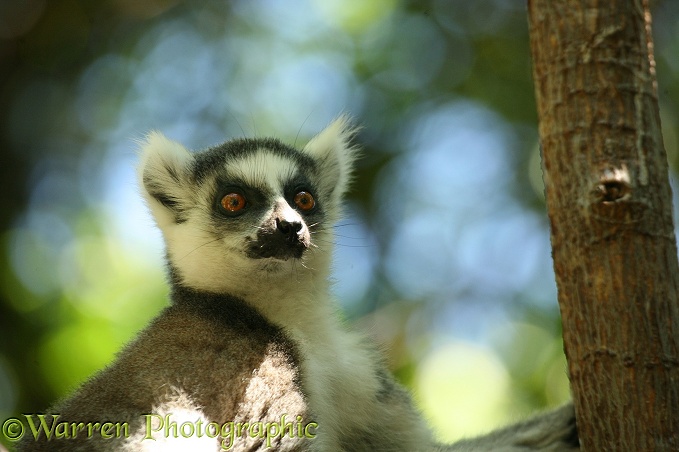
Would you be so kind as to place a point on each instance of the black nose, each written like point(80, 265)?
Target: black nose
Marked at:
point(290, 229)
point(288, 239)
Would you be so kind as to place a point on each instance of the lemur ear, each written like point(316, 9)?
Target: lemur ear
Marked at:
point(333, 151)
point(163, 173)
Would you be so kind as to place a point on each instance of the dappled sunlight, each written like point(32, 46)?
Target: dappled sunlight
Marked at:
point(462, 389)
point(354, 16)
point(75, 351)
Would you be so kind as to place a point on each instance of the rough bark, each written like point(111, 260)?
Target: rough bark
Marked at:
point(610, 209)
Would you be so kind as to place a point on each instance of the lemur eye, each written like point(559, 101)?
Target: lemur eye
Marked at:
point(304, 200)
point(233, 202)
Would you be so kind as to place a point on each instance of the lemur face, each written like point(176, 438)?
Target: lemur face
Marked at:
point(266, 199)
point(247, 208)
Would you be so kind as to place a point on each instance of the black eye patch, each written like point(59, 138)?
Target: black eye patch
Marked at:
point(233, 198)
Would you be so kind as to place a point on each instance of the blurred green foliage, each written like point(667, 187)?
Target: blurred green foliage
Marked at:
point(444, 257)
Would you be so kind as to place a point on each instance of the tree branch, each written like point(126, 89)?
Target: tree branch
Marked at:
point(610, 209)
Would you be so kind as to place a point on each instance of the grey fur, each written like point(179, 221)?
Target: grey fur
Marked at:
point(553, 431)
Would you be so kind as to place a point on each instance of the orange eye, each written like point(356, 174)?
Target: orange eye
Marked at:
point(233, 202)
point(304, 201)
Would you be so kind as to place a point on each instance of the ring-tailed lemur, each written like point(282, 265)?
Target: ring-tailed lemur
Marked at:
point(250, 354)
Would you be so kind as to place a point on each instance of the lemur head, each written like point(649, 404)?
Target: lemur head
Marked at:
point(247, 211)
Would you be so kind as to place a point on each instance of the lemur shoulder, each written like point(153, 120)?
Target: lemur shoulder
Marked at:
point(251, 336)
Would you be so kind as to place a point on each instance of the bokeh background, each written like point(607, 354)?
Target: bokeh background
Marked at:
point(443, 257)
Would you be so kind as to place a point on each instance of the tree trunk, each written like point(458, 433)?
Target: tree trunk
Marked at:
point(610, 209)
